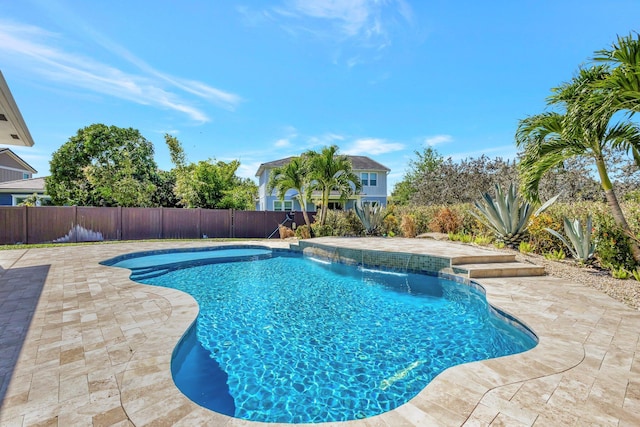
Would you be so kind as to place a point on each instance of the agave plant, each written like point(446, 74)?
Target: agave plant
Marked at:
point(371, 215)
point(507, 215)
point(581, 246)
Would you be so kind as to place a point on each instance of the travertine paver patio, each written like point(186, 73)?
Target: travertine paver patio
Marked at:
point(82, 345)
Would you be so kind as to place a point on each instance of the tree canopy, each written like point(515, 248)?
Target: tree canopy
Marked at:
point(583, 128)
point(331, 172)
point(293, 176)
point(103, 166)
point(209, 183)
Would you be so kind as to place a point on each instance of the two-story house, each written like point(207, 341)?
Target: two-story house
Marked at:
point(373, 177)
point(16, 179)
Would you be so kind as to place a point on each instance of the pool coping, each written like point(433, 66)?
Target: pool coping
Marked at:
point(587, 346)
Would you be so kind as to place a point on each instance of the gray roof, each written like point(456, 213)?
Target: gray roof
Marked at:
point(358, 163)
point(33, 185)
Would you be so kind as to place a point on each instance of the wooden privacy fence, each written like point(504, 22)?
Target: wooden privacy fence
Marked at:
point(43, 224)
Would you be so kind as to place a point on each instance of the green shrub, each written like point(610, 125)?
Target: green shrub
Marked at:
point(636, 274)
point(482, 240)
point(555, 255)
point(303, 232)
point(390, 225)
point(620, 273)
point(321, 230)
point(539, 237)
point(612, 245)
point(525, 247)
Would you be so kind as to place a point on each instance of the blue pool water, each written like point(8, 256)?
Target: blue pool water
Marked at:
point(282, 338)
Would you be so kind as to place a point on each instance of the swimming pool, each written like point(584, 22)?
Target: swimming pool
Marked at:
point(283, 338)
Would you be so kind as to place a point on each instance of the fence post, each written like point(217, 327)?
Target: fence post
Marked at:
point(232, 231)
point(119, 224)
point(199, 223)
point(25, 234)
point(74, 223)
point(161, 223)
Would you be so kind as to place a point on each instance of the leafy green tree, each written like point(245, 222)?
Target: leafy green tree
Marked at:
point(165, 182)
point(331, 172)
point(103, 166)
point(584, 129)
point(210, 184)
point(293, 176)
point(425, 162)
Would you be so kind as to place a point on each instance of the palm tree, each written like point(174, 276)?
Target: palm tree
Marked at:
point(583, 130)
point(623, 83)
point(292, 176)
point(331, 171)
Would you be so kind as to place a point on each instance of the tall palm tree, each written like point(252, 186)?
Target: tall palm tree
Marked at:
point(583, 129)
point(331, 171)
point(292, 176)
point(623, 83)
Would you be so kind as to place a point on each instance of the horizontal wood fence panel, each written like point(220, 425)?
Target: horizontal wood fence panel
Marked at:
point(20, 224)
point(51, 224)
point(216, 223)
point(247, 224)
point(13, 225)
point(141, 223)
point(180, 223)
point(98, 224)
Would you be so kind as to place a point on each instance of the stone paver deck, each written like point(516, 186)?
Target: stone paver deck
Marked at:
point(83, 345)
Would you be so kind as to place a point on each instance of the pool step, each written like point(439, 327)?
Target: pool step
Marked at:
point(147, 273)
point(498, 269)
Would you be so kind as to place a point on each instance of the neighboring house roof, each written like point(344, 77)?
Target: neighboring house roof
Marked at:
point(13, 129)
point(358, 163)
point(33, 185)
point(16, 159)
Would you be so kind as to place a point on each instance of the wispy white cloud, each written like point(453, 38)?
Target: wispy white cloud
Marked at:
point(363, 23)
point(248, 169)
point(432, 141)
point(36, 51)
point(325, 139)
point(373, 146)
point(350, 15)
point(283, 142)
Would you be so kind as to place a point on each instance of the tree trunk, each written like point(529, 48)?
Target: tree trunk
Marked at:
point(616, 210)
point(619, 218)
point(306, 217)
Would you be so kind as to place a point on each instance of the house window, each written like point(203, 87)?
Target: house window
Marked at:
point(40, 200)
point(369, 179)
point(283, 205)
point(25, 176)
point(336, 206)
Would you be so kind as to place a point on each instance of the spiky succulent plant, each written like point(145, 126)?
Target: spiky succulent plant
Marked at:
point(581, 247)
point(507, 215)
point(371, 215)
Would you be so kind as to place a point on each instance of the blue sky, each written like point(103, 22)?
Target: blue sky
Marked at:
point(262, 80)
